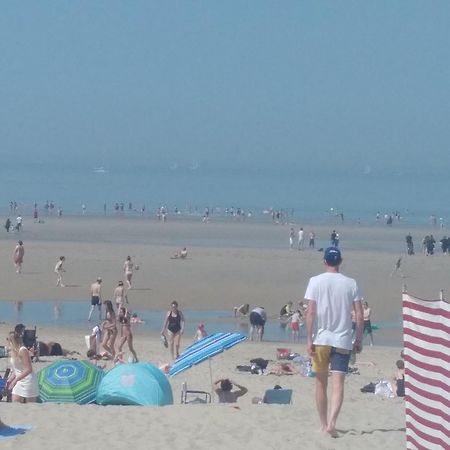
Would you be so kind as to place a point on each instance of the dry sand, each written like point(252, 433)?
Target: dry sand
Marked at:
point(229, 264)
point(366, 420)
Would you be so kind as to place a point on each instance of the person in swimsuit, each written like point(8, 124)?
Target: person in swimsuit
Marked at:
point(295, 322)
point(125, 332)
point(174, 327)
point(109, 329)
point(367, 323)
point(59, 270)
point(18, 254)
point(128, 270)
point(96, 294)
point(120, 296)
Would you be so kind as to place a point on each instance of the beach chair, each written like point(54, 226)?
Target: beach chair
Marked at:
point(3, 391)
point(278, 396)
point(188, 396)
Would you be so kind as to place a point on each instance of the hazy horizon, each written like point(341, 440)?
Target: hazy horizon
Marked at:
point(350, 86)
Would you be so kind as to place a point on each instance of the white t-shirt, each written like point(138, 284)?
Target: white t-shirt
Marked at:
point(261, 312)
point(334, 295)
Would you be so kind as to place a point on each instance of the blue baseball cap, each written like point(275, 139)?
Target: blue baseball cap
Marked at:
point(332, 256)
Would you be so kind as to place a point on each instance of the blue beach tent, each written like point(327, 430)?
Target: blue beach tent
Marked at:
point(135, 384)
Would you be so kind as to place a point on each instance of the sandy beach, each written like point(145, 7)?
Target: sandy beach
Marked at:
point(228, 264)
point(366, 420)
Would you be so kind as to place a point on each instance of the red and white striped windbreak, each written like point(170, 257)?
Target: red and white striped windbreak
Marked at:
point(426, 331)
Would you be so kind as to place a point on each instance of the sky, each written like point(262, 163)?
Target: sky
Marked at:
point(294, 86)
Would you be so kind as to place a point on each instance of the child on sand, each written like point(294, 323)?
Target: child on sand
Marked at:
point(200, 333)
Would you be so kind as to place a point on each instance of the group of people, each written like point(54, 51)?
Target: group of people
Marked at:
point(301, 238)
point(428, 244)
point(109, 333)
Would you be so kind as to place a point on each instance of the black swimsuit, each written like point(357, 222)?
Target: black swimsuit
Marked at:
point(174, 323)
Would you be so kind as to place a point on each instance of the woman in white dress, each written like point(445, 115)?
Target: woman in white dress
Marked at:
point(23, 381)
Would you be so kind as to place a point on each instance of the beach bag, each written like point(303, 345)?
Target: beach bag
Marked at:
point(244, 368)
point(369, 388)
point(384, 389)
point(261, 363)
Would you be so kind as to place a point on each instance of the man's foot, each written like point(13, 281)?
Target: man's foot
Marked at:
point(332, 433)
point(62, 285)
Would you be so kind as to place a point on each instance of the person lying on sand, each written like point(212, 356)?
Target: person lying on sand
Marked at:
point(181, 254)
point(281, 368)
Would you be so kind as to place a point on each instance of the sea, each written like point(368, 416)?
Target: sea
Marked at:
point(307, 196)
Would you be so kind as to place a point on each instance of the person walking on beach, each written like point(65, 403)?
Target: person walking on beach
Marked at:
point(96, 295)
point(128, 270)
point(331, 298)
point(19, 252)
point(120, 295)
point(174, 326)
point(397, 267)
point(59, 270)
point(125, 332)
point(291, 238)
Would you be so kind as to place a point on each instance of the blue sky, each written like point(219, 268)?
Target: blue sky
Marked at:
point(240, 85)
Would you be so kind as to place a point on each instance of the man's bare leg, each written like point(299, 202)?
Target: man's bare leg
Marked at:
point(337, 397)
point(321, 399)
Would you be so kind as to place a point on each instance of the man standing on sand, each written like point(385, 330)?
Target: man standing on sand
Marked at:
point(301, 238)
point(331, 299)
point(18, 254)
point(96, 298)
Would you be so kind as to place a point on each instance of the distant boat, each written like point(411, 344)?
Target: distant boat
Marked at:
point(100, 169)
point(194, 165)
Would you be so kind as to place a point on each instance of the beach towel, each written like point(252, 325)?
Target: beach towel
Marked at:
point(10, 432)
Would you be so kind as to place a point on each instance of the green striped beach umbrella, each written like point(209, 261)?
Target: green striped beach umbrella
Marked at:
point(69, 381)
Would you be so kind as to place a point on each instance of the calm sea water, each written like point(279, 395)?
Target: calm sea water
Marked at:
point(74, 314)
point(310, 195)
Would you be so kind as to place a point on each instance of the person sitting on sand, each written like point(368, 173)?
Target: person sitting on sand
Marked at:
point(200, 333)
point(223, 389)
point(135, 319)
point(181, 254)
point(94, 358)
point(399, 379)
point(241, 310)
